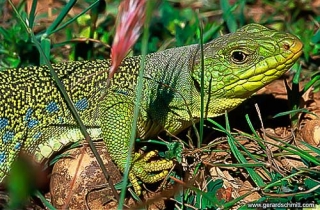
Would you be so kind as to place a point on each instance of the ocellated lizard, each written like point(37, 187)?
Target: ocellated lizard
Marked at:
point(34, 118)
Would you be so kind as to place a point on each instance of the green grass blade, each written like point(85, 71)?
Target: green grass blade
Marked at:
point(214, 29)
point(55, 29)
point(293, 112)
point(46, 46)
point(257, 137)
point(315, 78)
point(201, 124)
point(61, 16)
point(237, 153)
point(44, 201)
point(296, 151)
point(32, 13)
point(227, 15)
point(312, 148)
point(144, 48)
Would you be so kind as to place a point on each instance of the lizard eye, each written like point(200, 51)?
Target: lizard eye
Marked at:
point(238, 57)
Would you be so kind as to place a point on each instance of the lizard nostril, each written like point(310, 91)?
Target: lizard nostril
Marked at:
point(286, 46)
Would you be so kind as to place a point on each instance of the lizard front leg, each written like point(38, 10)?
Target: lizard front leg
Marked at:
point(116, 117)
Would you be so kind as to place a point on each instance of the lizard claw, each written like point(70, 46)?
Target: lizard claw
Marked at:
point(144, 169)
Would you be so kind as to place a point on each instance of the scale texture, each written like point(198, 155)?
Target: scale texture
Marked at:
point(34, 118)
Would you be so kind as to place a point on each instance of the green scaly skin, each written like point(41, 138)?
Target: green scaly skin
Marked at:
point(34, 118)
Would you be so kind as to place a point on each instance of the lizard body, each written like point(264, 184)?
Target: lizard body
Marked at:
point(34, 118)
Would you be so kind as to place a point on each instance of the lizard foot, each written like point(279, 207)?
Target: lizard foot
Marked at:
point(144, 169)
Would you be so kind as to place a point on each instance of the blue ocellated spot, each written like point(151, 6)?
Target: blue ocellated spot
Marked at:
point(28, 114)
point(17, 146)
point(7, 136)
point(82, 104)
point(32, 123)
point(52, 107)
point(123, 92)
point(61, 119)
point(37, 135)
point(2, 157)
point(3, 123)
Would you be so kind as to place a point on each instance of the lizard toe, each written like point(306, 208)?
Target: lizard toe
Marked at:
point(148, 171)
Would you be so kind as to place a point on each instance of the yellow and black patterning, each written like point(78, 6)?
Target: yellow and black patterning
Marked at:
point(34, 117)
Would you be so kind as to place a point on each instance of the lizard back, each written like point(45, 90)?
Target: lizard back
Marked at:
point(32, 109)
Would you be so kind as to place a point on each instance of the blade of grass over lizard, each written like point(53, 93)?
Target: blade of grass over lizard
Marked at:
point(34, 118)
point(146, 22)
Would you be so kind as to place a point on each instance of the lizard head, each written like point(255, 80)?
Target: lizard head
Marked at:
point(237, 65)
